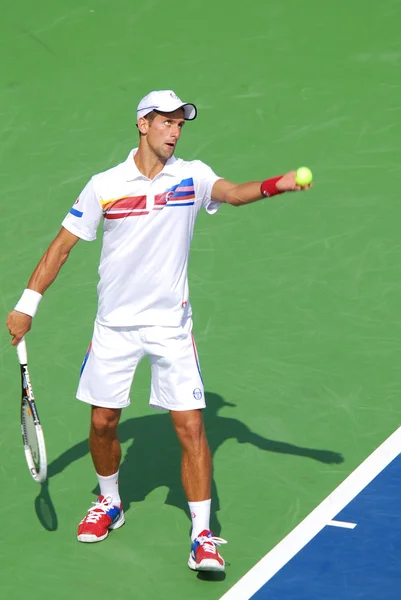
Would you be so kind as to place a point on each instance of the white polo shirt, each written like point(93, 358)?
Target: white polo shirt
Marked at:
point(147, 232)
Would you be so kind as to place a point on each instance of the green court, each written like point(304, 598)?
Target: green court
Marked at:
point(296, 299)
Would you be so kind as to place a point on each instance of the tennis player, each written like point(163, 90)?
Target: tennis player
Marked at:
point(148, 205)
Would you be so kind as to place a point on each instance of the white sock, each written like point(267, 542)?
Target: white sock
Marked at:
point(200, 514)
point(109, 487)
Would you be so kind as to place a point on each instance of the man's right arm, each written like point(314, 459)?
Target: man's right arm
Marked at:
point(19, 323)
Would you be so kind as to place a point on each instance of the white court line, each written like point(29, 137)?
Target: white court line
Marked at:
point(342, 524)
point(270, 564)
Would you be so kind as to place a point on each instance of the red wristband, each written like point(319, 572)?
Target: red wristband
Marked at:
point(268, 187)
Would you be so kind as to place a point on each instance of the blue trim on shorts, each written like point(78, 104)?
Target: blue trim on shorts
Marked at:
point(85, 359)
point(196, 358)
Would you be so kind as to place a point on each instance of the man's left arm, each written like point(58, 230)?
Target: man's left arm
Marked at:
point(245, 193)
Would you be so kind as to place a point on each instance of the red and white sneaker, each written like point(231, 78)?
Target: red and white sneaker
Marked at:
point(204, 555)
point(101, 517)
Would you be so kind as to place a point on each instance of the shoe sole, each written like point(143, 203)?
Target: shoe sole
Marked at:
point(207, 564)
point(91, 539)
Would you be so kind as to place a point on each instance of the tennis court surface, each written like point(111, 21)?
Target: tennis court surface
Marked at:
point(296, 300)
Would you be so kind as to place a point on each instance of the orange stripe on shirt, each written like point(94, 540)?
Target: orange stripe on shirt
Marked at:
point(127, 202)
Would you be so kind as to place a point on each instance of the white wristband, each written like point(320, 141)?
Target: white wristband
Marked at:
point(29, 302)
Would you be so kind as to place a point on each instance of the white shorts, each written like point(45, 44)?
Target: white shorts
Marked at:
point(109, 366)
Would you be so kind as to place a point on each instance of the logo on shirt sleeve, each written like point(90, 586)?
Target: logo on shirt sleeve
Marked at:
point(74, 211)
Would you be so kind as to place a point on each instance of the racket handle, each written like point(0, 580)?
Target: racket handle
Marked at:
point(21, 352)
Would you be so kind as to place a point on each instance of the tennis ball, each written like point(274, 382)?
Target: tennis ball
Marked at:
point(303, 176)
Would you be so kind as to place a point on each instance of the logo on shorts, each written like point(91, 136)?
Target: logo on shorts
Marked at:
point(197, 394)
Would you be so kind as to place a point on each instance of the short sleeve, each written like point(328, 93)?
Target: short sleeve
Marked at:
point(84, 217)
point(205, 178)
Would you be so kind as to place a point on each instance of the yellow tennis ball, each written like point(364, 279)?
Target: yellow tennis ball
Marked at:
point(303, 176)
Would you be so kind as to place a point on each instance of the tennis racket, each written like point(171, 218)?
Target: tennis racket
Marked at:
point(32, 434)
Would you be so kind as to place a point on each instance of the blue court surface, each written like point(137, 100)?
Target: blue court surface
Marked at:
point(348, 548)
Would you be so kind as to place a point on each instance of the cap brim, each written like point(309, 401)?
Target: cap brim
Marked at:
point(190, 111)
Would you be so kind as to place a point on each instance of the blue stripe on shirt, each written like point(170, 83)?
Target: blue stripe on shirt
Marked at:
point(76, 213)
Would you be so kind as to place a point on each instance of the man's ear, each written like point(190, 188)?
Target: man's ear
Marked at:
point(143, 125)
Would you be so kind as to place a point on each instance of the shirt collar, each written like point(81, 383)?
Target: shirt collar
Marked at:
point(133, 173)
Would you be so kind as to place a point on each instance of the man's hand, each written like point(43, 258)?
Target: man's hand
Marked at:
point(287, 183)
point(18, 325)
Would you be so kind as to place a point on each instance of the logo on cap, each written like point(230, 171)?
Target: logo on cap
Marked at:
point(174, 95)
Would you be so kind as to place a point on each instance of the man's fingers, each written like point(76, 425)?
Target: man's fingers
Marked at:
point(16, 337)
point(16, 340)
point(18, 324)
point(291, 185)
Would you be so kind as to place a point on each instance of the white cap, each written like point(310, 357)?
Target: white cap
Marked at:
point(165, 101)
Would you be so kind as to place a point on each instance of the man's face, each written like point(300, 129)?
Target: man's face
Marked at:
point(163, 133)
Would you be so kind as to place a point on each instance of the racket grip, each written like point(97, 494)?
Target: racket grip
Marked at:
point(21, 352)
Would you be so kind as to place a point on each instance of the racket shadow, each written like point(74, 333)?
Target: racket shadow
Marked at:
point(44, 508)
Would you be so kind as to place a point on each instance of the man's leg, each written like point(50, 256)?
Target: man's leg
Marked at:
point(178, 387)
point(106, 378)
point(105, 450)
point(196, 463)
point(104, 444)
point(196, 472)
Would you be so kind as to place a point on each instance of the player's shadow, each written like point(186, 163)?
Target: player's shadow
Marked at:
point(153, 459)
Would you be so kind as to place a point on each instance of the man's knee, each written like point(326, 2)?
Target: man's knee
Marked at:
point(190, 428)
point(104, 421)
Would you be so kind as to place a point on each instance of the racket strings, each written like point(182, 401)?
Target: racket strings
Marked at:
point(30, 436)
